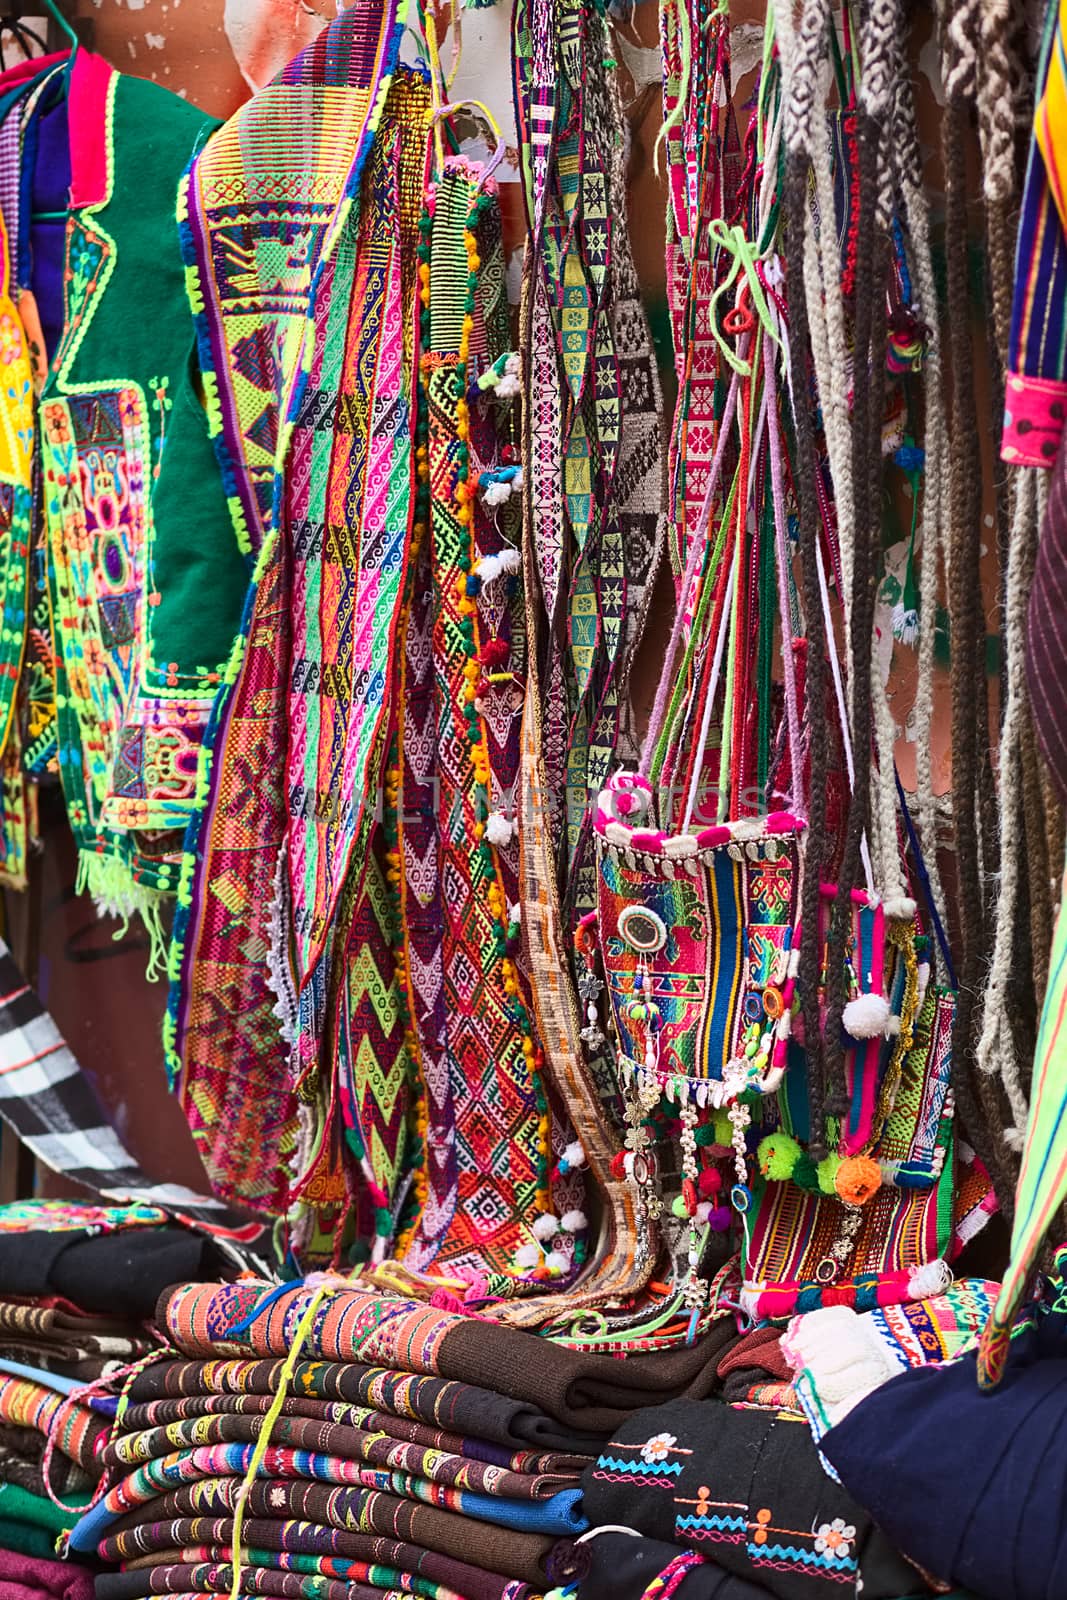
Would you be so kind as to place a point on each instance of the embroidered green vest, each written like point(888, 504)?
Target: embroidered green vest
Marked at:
point(146, 580)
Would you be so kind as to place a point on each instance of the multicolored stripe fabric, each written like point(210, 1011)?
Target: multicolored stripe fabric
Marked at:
point(1035, 396)
point(1042, 1186)
point(1046, 630)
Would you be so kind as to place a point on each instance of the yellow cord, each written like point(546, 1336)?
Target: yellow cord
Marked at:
point(263, 1442)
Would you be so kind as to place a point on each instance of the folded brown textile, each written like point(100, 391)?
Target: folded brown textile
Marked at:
point(21, 1462)
point(465, 1409)
point(761, 1348)
point(595, 1393)
point(54, 1339)
point(290, 1501)
point(261, 1537)
point(216, 1578)
point(342, 1443)
point(158, 1413)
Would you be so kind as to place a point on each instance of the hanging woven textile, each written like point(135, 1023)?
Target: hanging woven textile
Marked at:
point(596, 524)
point(339, 755)
point(226, 1048)
point(499, 1202)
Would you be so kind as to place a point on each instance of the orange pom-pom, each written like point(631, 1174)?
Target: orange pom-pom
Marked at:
point(858, 1178)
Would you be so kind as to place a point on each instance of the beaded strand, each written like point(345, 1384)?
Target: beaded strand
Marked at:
point(481, 657)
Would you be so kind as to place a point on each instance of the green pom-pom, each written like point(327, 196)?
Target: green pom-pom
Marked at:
point(383, 1222)
point(806, 1175)
point(827, 1172)
point(358, 1253)
point(777, 1155)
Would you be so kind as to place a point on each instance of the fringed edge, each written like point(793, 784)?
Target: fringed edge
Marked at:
point(116, 893)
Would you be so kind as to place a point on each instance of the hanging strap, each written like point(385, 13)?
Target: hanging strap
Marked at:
point(924, 879)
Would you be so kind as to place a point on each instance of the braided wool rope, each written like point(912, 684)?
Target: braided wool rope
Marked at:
point(883, 70)
point(908, 155)
point(996, 1052)
point(1001, 86)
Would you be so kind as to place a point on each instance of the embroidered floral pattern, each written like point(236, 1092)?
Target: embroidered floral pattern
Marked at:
point(658, 1447)
point(835, 1539)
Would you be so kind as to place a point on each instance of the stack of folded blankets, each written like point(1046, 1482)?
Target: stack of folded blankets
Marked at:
point(78, 1288)
point(399, 1448)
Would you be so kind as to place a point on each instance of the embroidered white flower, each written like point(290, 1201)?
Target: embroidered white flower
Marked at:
point(656, 1448)
point(835, 1539)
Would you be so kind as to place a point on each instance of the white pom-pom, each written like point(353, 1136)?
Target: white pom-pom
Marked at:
point(528, 1256)
point(513, 364)
point(574, 1156)
point(498, 828)
point(508, 386)
point(515, 915)
point(556, 1262)
point(497, 494)
point(901, 908)
point(866, 1017)
point(545, 1227)
point(510, 559)
point(488, 568)
point(574, 1221)
point(933, 1278)
point(892, 1027)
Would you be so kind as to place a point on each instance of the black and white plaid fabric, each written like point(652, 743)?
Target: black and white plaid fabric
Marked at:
point(47, 1100)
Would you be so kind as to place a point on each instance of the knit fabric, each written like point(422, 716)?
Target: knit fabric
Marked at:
point(27, 1578)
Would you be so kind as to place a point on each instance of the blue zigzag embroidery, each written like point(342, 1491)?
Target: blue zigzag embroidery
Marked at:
point(649, 1470)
